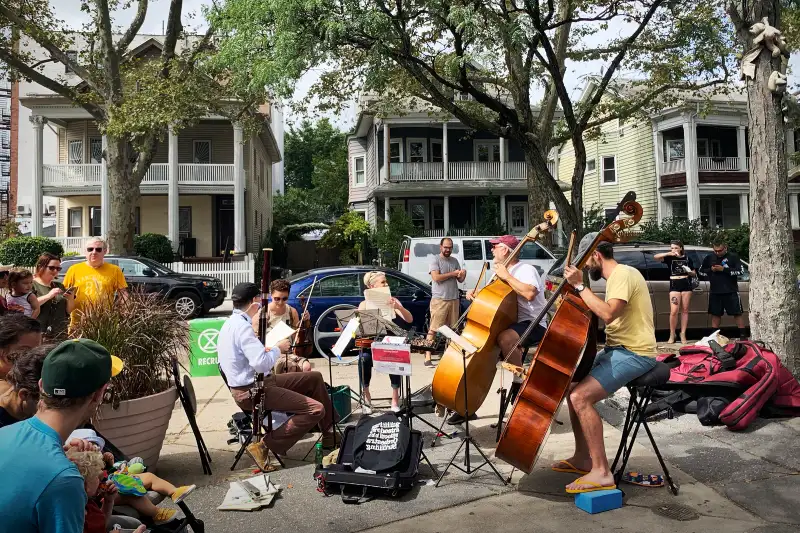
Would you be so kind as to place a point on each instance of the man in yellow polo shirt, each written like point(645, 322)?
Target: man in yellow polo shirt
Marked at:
point(629, 352)
point(94, 279)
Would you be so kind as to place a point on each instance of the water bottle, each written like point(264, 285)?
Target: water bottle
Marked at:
point(318, 454)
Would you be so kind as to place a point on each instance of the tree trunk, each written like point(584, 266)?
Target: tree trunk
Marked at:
point(124, 194)
point(774, 305)
point(538, 200)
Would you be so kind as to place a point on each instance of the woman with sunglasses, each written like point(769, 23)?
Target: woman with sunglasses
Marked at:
point(55, 302)
point(279, 310)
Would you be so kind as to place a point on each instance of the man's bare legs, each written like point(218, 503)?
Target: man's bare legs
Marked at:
point(590, 453)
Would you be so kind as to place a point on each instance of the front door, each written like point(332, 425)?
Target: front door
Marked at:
point(518, 218)
point(224, 233)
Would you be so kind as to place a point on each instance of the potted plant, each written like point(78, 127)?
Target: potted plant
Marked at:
point(145, 332)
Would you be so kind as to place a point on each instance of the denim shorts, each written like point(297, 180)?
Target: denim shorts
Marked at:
point(615, 366)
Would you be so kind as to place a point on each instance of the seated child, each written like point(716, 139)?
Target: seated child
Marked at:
point(91, 465)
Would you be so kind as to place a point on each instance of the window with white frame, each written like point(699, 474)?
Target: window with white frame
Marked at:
point(75, 221)
point(395, 151)
point(362, 213)
point(96, 150)
point(436, 151)
point(201, 152)
point(359, 173)
point(609, 169)
point(72, 55)
point(75, 152)
point(417, 150)
point(591, 165)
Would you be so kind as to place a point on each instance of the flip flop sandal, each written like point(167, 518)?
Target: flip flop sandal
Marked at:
point(570, 470)
point(650, 480)
point(593, 487)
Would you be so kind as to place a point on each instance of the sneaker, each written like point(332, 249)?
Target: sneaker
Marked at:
point(164, 516)
point(457, 419)
point(428, 362)
point(181, 493)
point(260, 455)
point(366, 409)
point(395, 408)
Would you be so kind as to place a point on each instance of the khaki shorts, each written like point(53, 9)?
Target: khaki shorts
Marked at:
point(443, 313)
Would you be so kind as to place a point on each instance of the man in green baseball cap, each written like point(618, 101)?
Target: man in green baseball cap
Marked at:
point(46, 489)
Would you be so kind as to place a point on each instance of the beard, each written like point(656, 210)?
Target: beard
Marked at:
point(595, 273)
point(447, 253)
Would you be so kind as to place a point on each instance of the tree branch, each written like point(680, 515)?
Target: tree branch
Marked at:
point(174, 29)
point(45, 42)
point(133, 29)
point(108, 52)
point(67, 92)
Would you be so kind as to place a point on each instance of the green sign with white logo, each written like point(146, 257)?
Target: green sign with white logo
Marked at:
point(204, 334)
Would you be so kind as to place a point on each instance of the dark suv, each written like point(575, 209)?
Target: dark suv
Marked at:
point(640, 256)
point(193, 295)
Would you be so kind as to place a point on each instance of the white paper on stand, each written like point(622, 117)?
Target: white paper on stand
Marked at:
point(460, 341)
point(278, 332)
point(344, 339)
point(378, 298)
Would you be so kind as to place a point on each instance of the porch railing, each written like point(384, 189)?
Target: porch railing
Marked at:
point(720, 164)
point(673, 167)
point(417, 171)
point(473, 171)
point(74, 244)
point(158, 174)
point(518, 170)
point(229, 273)
point(453, 232)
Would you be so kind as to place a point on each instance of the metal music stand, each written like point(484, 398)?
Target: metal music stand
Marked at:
point(467, 439)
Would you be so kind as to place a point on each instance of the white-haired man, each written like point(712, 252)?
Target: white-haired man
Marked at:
point(94, 279)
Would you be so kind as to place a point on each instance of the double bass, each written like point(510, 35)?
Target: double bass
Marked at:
point(569, 336)
point(492, 311)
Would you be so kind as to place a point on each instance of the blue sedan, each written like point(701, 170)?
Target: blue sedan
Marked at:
point(343, 288)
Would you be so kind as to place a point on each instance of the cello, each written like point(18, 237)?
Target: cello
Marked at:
point(568, 337)
point(492, 311)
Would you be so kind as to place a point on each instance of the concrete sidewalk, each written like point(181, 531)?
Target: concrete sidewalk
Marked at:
point(530, 503)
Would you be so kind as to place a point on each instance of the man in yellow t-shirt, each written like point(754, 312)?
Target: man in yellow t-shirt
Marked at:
point(629, 353)
point(95, 278)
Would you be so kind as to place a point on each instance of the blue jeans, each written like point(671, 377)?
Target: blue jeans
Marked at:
point(616, 366)
point(365, 372)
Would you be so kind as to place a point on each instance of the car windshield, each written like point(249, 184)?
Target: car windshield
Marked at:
point(157, 267)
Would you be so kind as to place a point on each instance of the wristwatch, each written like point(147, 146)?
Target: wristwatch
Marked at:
point(579, 287)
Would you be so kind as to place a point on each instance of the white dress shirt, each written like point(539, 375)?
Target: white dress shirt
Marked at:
point(240, 352)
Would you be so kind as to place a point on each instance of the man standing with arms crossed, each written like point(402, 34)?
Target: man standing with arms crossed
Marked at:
point(446, 274)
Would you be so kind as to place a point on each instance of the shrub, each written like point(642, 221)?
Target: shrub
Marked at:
point(693, 233)
point(351, 233)
point(389, 236)
point(489, 216)
point(24, 251)
point(144, 331)
point(154, 246)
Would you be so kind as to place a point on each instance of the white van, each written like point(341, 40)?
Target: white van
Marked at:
point(472, 252)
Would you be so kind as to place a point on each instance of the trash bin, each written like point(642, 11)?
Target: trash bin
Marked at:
point(203, 337)
point(342, 401)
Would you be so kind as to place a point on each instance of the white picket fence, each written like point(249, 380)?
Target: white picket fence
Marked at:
point(230, 273)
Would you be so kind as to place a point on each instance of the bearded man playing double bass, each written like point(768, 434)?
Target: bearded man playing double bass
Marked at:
point(629, 352)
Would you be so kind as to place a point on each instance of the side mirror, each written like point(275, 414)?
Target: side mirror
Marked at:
point(148, 272)
point(419, 295)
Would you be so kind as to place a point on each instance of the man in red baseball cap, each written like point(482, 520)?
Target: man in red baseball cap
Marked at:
point(525, 281)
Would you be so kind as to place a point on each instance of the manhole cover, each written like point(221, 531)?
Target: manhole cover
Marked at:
point(676, 512)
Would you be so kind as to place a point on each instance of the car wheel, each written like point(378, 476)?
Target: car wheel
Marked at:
point(187, 305)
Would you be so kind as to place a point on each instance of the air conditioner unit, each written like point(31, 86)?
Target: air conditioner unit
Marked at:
point(50, 209)
point(23, 210)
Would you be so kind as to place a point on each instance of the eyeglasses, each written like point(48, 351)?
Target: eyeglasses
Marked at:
point(98, 250)
point(280, 298)
point(54, 268)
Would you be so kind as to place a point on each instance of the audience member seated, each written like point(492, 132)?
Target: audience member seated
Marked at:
point(20, 399)
point(17, 333)
point(44, 488)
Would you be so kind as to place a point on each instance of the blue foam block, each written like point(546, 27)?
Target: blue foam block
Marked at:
point(599, 500)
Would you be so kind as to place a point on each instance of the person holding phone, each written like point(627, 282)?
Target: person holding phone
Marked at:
point(681, 270)
point(722, 269)
point(56, 302)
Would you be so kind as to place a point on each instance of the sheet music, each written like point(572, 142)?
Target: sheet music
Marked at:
point(379, 299)
point(458, 340)
point(279, 332)
point(344, 339)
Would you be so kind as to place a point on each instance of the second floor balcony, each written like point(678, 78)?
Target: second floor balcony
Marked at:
point(461, 171)
point(89, 174)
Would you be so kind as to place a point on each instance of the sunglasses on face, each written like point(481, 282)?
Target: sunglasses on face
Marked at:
point(98, 250)
point(280, 298)
point(54, 268)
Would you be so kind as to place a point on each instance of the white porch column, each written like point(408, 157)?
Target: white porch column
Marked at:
point(794, 215)
point(372, 212)
point(744, 209)
point(105, 192)
point(239, 237)
point(446, 215)
point(173, 201)
point(386, 155)
point(445, 154)
point(658, 150)
point(741, 148)
point(503, 211)
point(690, 162)
point(502, 158)
point(38, 174)
point(555, 164)
point(387, 209)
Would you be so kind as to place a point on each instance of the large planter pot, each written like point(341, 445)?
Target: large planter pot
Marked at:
point(138, 427)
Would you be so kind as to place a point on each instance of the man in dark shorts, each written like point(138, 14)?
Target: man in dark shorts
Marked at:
point(722, 269)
